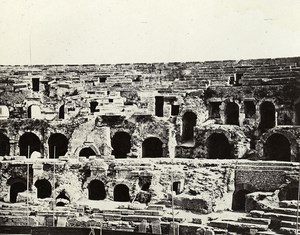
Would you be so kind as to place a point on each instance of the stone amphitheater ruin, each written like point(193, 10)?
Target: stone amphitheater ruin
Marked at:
point(116, 145)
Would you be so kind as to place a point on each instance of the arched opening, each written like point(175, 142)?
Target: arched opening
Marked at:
point(121, 144)
point(34, 111)
point(297, 114)
point(232, 113)
point(277, 147)
point(93, 106)
point(43, 188)
point(4, 145)
point(144, 182)
point(188, 123)
point(218, 147)
point(4, 112)
point(61, 112)
point(29, 142)
point(267, 116)
point(152, 147)
point(239, 200)
point(121, 193)
point(15, 189)
point(87, 152)
point(176, 187)
point(96, 190)
point(58, 145)
point(62, 199)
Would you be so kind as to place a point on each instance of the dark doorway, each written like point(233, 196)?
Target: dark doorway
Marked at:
point(249, 108)
point(29, 142)
point(218, 147)
point(43, 188)
point(93, 106)
point(86, 152)
point(4, 145)
point(239, 200)
point(121, 144)
point(232, 113)
point(176, 187)
point(159, 106)
point(297, 114)
point(152, 147)
point(61, 112)
point(58, 145)
point(267, 116)
point(96, 190)
point(214, 109)
point(292, 193)
point(35, 84)
point(277, 147)
point(16, 188)
point(174, 109)
point(121, 193)
point(188, 123)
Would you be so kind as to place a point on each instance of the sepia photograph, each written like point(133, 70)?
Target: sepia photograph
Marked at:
point(132, 117)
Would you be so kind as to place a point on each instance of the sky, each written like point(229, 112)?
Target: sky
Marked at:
point(145, 31)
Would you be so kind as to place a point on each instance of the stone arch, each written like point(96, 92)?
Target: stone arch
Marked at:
point(152, 147)
point(87, 152)
point(218, 146)
point(96, 190)
point(277, 147)
point(34, 111)
point(58, 145)
point(4, 145)
point(61, 112)
point(121, 144)
point(29, 142)
point(43, 188)
point(4, 112)
point(267, 116)
point(16, 187)
point(231, 113)
point(297, 113)
point(62, 199)
point(121, 193)
point(189, 120)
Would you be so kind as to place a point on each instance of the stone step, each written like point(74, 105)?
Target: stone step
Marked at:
point(255, 220)
point(287, 211)
point(157, 207)
point(234, 226)
point(139, 218)
point(288, 204)
point(288, 231)
point(268, 233)
point(273, 215)
point(148, 212)
point(289, 224)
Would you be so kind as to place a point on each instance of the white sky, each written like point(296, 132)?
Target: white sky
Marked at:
point(126, 31)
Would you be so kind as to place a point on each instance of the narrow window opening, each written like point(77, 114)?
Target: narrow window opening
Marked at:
point(159, 106)
point(214, 109)
point(232, 113)
point(4, 145)
point(174, 110)
point(249, 108)
point(176, 187)
point(189, 122)
point(35, 84)
point(61, 114)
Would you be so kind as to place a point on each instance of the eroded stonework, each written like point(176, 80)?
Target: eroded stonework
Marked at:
point(95, 142)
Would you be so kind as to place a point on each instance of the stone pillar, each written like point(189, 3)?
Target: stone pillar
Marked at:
point(105, 148)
